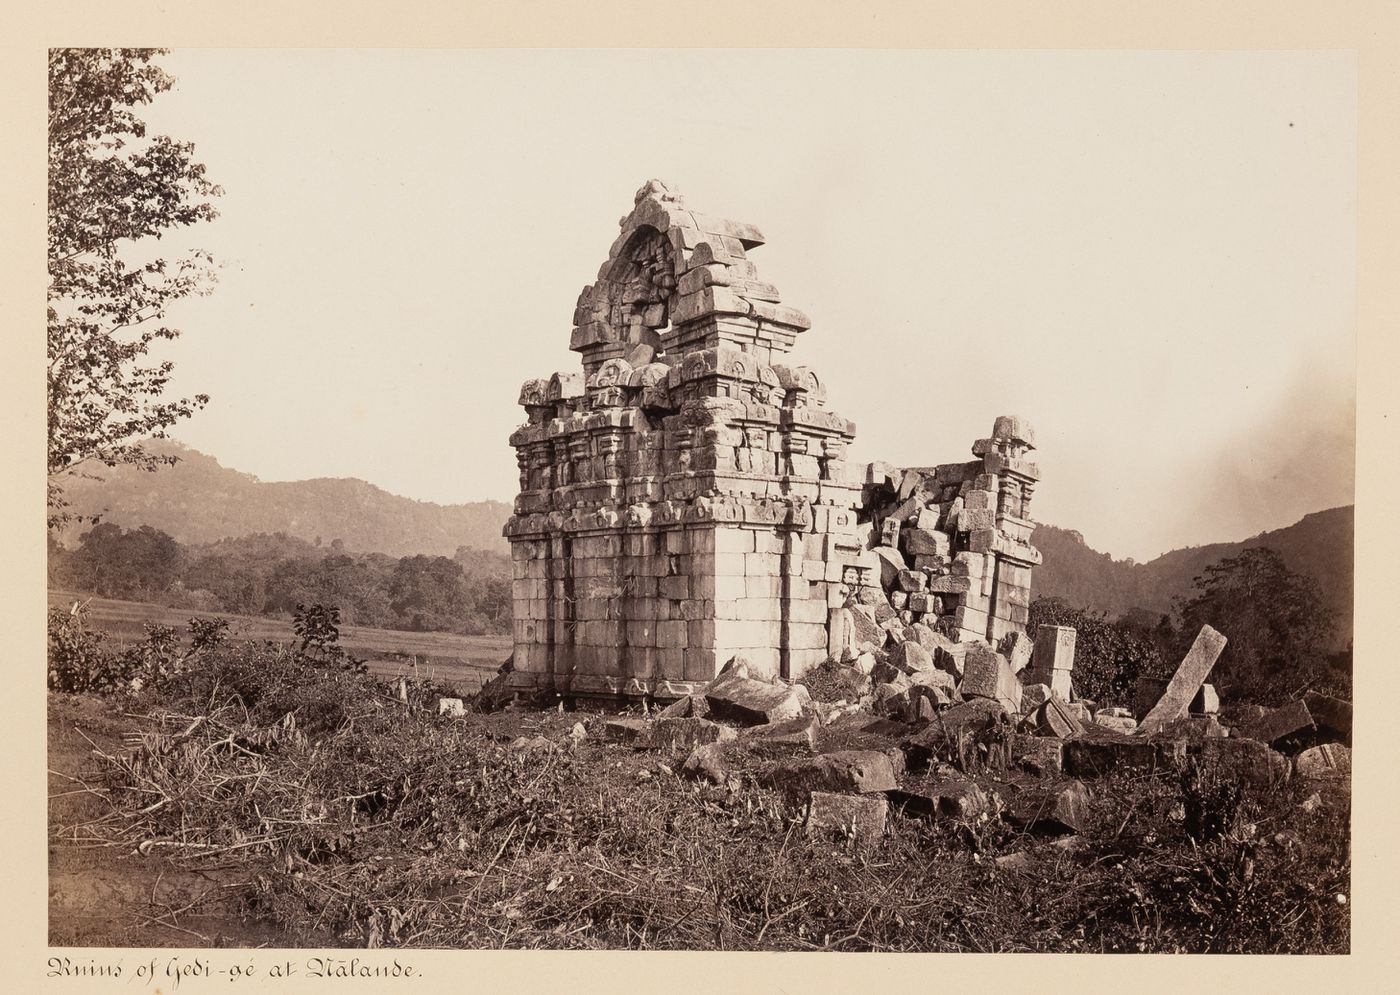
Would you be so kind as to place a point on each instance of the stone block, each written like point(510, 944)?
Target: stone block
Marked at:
point(911, 580)
point(855, 771)
point(951, 798)
point(1106, 752)
point(752, 702)
point(986, 674)
point(1330, 761)
point(453, 707)
point(1050, 808)
point(925, 542)
point(1206, 702)
point(1017, 647)
point(1118, 723)
point(1040, 755)
point(1058, 719)
point(950, 733)
point(891, 563)
point(1288, 728)
point(1033, 696)
point(857, 817)
point(1245, 760)
point(1054, 649)
point(1187, 680)
point(910, 657)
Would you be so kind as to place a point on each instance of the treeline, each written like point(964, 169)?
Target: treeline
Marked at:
point(1276, 620)
point(272, 574)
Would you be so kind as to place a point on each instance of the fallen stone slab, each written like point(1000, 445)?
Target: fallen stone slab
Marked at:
point(1331, 716)
point(1106, 752)
point(1053, 809)
point(665, 733)
point(750, 702)
point(782, 738)
point(858, 771)
point(858, 817)
point(952, 798)
point(689, 706)
point(1187, 680)
point(1245, 760)
point(1288, 729)
point(453, 707)
point(1057, 718)
point(1326, 762)
point(1118, 723)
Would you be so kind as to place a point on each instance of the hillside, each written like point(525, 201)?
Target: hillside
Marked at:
point(1319, 545)
point(198, 501)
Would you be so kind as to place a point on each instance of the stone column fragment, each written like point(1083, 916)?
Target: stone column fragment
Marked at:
point(1187, 680)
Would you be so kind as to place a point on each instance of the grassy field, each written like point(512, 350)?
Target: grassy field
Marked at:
point(463, 661)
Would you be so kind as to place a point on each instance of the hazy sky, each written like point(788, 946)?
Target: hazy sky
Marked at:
point(1149, 255)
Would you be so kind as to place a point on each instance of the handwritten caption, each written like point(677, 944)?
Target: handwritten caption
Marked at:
point(174, 970)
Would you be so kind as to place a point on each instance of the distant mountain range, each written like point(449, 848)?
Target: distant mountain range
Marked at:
point(1319, 545)
point(197, 501)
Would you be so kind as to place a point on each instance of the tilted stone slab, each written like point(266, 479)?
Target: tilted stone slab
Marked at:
point(1282, 727)
point(744, 700)
point(1186, 681)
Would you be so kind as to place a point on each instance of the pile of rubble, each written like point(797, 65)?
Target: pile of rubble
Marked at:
point(938, 729)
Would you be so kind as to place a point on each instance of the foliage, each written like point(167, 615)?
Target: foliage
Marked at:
point(357, 819)
point(318, 628)
point(272, 574)
point(1109, 656)
point(111, 188)
point(81, 660)
point(116, 563)
point(1274, 620)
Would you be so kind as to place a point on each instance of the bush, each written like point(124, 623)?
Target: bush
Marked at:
point(81, 662)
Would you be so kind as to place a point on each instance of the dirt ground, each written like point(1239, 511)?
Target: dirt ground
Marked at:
point(102, 896)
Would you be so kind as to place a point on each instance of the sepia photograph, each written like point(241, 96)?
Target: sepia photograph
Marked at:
point(665, 499)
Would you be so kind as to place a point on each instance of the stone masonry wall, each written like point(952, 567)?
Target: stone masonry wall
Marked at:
point(685, 499)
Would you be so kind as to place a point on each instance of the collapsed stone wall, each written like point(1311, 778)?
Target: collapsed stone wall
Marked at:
point(685, 498)
point(950, 544)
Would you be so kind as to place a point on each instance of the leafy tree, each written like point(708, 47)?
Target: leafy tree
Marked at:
point(112, 188)
point(1273, 618)
point(427, 593)
point(1109, 656)
point(115, 563)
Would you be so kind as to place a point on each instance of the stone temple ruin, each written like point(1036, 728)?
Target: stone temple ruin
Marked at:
point(685, 498)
